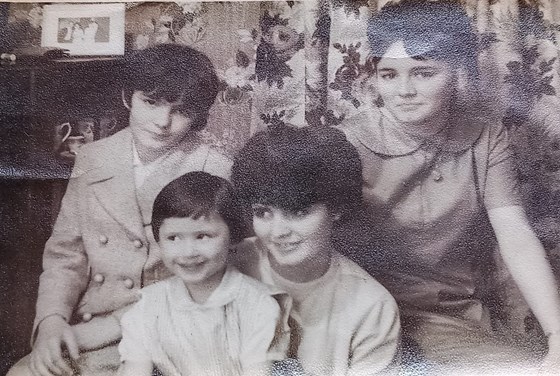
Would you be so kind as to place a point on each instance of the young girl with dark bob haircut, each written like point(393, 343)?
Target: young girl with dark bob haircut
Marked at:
point(300, 185)
point(441, 186)
point(208, 319)
point(198, 194)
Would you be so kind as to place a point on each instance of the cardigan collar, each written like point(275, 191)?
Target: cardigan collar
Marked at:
point(378, 132)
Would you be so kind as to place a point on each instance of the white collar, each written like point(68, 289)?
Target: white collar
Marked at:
point(227, 291)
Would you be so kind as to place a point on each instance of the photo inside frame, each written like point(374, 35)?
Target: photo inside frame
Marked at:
point(84, 29)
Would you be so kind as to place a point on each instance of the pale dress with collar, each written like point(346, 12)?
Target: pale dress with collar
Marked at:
point(426, 235)
point(343, 324)
point(235, 329)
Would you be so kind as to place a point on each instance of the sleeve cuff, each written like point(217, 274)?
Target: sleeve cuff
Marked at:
point(39, 320)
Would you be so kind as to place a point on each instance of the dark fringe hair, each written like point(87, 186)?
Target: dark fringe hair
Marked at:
point(173, 72)
point(430, 30)
point(294, 168)
point(197, 194)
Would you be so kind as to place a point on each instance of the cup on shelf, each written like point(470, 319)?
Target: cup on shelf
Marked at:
point(74, 143)
point(69, 138)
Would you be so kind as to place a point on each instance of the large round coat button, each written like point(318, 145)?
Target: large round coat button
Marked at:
point(138, 243)
point(98, 278)
point(86, 317)
point(129, 283)
point(103, 239)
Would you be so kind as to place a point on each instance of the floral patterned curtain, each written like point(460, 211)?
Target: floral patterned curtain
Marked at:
point(306, 62)
point(316, 51)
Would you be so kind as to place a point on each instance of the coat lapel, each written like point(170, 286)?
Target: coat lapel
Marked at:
point(189, 156)
point(113, 185)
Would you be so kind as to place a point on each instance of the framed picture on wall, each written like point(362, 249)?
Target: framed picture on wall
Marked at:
point(84, 29)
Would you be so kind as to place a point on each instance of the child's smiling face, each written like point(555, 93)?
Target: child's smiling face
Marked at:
point(195, 250)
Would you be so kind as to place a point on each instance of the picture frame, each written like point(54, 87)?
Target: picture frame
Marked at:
point(84, 29)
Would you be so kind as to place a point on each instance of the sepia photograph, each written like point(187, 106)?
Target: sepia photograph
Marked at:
point(84, 29)
point(284, 188)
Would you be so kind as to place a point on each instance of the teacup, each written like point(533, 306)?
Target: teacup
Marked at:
point(74, 143)
point(69, 138)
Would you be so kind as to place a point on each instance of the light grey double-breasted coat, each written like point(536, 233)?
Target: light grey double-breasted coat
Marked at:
point(102, 250)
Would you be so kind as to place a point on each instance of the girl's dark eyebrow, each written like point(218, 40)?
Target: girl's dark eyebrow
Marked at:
point(425, 68)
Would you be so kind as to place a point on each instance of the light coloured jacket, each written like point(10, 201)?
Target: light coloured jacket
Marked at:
point(102, 251)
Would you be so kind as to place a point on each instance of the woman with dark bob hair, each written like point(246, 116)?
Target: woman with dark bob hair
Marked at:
point(300, 184)
point(441, 186)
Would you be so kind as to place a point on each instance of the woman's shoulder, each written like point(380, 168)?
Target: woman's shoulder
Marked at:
point(494, 130)
point(474, 130)
point(359, 283)
point(102, 153)
point(349, 269)
point(360, 124)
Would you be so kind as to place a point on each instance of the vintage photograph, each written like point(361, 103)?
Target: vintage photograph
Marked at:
point(84, 29)
point(284, 188)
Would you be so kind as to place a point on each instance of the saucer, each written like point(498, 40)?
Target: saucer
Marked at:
point(67, 154)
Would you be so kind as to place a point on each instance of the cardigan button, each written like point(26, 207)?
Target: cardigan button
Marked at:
point(86, 317)
point(103, 239)
point(98, 278)
point(128, 283)
point(138, 243)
